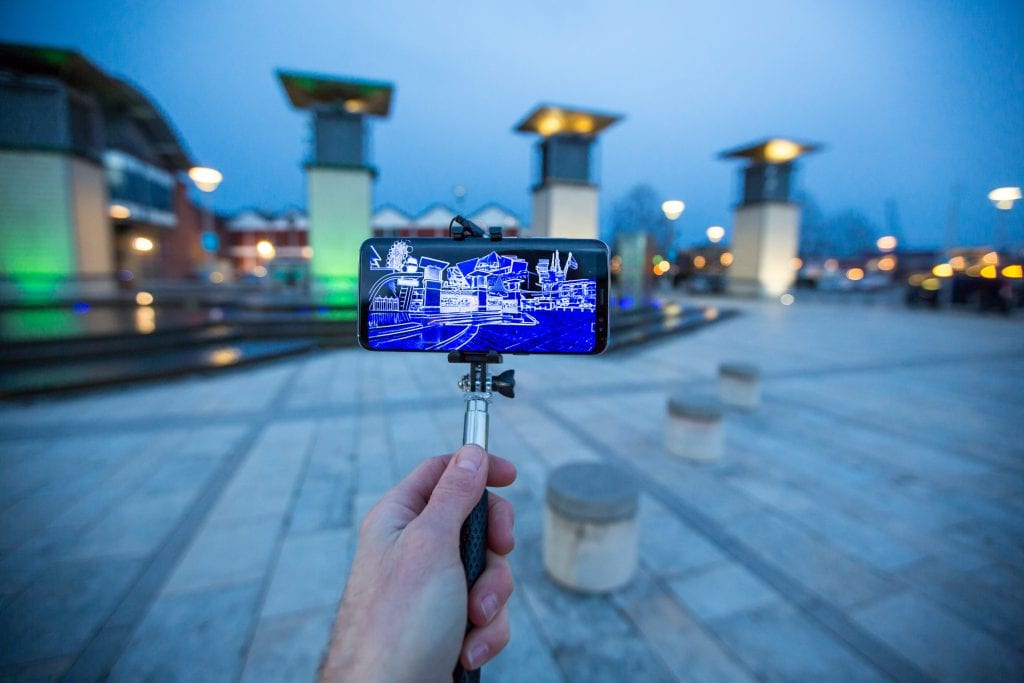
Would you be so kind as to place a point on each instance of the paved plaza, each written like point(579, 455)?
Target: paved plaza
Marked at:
point(865, 523)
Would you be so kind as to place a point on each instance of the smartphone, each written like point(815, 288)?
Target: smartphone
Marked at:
point(515, 295)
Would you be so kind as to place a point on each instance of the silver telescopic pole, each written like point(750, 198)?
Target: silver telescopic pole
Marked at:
point(474, 429)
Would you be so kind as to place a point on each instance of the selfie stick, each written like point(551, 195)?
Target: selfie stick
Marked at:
point(476, 389)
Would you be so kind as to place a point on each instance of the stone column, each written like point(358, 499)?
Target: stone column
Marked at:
point(766, 229)
point(339, 174)
point(565, 198)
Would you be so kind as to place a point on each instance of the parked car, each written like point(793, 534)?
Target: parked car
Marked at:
point(969, 278)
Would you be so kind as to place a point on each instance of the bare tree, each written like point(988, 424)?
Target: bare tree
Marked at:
point(852, 232)
point(814, 237)
point(846, 233)
point(639, 210)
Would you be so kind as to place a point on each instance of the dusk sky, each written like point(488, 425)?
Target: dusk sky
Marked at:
point(917, 102)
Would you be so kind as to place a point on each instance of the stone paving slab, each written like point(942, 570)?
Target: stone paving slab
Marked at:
point(939, 642)
point(190, 636)
point(779, 643)
point(677, 637)
point(864, 523)
point(288, 648)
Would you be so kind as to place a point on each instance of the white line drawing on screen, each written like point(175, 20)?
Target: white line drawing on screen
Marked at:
point(415, 293)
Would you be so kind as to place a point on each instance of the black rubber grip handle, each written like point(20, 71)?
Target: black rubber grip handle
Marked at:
point(473, 551)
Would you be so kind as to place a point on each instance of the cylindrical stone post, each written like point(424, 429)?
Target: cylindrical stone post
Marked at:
point(590, 542)
point(739, 385)
point(693, 429)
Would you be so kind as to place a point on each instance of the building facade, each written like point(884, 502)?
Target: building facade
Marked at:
point(91, 179)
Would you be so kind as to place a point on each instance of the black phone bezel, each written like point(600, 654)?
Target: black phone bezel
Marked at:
point(479, 246)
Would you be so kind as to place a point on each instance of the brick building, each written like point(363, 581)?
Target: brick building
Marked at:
point(261, 244)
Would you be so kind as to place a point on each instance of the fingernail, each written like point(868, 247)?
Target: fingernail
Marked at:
point(477, 653)
point(470, 457)
point(490, 606)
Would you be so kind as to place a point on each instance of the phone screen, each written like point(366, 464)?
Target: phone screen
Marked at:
point(511, 296)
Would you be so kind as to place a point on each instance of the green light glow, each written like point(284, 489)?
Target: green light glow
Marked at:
point(338, 292)
point(36, 234)
point(42, 323)
point(55, 56)
point(339, 221)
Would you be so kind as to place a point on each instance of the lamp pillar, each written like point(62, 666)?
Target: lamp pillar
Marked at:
point(339, 175)
point(565, 196)
point(766, 224)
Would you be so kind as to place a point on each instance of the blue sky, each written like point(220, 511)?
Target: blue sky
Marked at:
point(912, 99)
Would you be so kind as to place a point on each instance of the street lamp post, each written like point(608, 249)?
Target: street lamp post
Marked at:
point(715, 233)
point(207, 180)
point(1003, 199)
point(673, 209)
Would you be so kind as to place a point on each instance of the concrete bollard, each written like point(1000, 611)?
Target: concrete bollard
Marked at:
point(693, 429)
point(739, 385)
point(590, 540)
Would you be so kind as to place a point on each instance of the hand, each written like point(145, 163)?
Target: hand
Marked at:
point(404, 612)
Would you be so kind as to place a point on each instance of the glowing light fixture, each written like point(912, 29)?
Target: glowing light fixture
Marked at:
point(259, 271)
point(548, 120)
point(831, 264)
point(1014, 272)
point(265, 249)
point(887, 263)
point(991, 258)
point(583, 125)
point(145, 320)
point(206, 179)
point(120, 212)
point(887, 243)
point(957, 262)
point(144, 298)
point(551, 123)
point(699, 262)
point(1004, 197)
point(307, 252)
point(931, 284)
point(796, 263)
point(786, 299)
point(142, 244)
point(715, 233)
point(989, 272)
point(216, 277)
point(355, 106)
point(725, 259)
point(673, 209)
point(943, 270)
point(228, 355)
point(854, 274)
point(779, 151)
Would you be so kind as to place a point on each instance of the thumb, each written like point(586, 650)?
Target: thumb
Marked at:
point(458, 490)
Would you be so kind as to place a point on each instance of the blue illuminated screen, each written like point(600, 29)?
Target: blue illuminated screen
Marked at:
point(436, 295)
